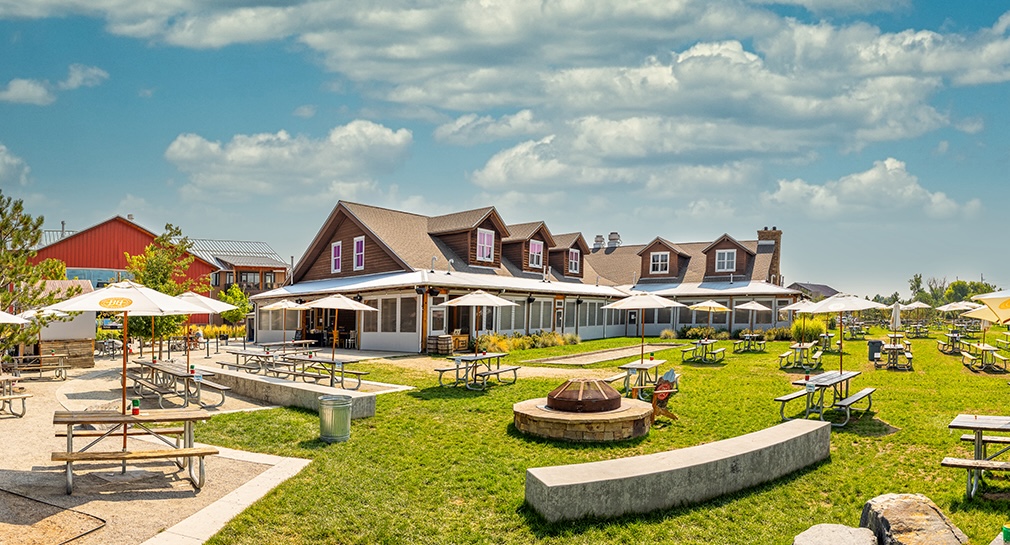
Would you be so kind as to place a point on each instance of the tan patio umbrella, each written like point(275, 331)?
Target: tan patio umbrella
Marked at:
point(40, 314)
point(709, 306)
point(479, 298)
point(127, 297)
point(284, 305)
point(998, 302)
point(985, 314)
point(959, 306)
point(842, 303)
point(640, 301)
point(338, 302)
point(752, 307)
point(914, 305)
point(6, 318)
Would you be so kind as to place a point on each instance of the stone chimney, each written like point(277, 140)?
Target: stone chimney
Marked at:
point(774, 270)
point(598, 242)
point(614, 240)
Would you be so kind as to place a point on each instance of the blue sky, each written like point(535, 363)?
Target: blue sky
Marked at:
point(873, 133)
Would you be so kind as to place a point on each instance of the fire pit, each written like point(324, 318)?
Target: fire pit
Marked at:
point(584, 395)
point(583, 410)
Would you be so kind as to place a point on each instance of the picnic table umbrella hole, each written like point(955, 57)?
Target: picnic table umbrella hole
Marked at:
point(127, 297)
point(640, 301)
point(338, 302)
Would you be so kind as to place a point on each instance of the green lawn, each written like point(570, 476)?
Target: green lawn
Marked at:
point(445, 465)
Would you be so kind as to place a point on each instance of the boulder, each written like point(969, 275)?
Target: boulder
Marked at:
point(909, 519)
point(835, 534)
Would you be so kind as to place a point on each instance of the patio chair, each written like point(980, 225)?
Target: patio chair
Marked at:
point(352, 340)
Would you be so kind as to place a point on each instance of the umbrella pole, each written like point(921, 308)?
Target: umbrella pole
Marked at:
point(841, 339)
point(333, 350)
point(122, 378)
point(187, 343)
point(641, 324)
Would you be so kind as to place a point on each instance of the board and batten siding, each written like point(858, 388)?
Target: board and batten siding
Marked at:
point(742, 259)
point(657, 247)
point(376, 258)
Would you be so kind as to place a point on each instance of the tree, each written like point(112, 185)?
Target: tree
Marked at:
point(23, 284)
point(915, 285)
point(937, 289)
point(163, 267)
point(235, 296)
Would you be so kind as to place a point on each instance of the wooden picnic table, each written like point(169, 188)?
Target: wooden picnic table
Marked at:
point(296, 343)
point(326, 365)
point(170, 378)
point(38, 363)
point(801, 353)
point(816, 385)
point(981, 459)
point(8, 397)
point(467, 369)
point(143, 423)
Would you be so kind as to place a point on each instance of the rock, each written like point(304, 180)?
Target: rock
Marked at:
point(835, 534)
point(909, 519)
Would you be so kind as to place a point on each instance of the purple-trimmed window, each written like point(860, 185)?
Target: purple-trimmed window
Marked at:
point(359, 253)
point(335, 254)
point(485, 245)
point(536, 254)
point(573, 260)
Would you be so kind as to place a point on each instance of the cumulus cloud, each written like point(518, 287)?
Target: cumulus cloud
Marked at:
point(83, 76)
point(26, 91)
point(885, 189)
point(472, 129)
point(14, 171)
point(536, 163)
point(280, 163)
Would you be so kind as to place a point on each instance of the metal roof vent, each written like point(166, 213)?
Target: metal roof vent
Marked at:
point(614, 240)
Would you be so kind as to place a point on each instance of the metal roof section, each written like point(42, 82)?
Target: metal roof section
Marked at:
point(705, 289)
point(242, 253)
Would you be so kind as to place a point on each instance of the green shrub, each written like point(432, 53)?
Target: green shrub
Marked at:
point(722, 335)
point(572, 338)
point(668, 334)
point(807, 329)
point(778, 334)
point(106, 334)
point(700, 333)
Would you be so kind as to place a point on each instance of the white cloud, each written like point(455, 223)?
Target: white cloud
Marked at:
point(472, 129)
point(535, 163)
point(80, 75)
point(886, 189)
point(943, 147)
point(971, 126)
point(26, 91)
point(282, 164)
point(14, 171)
point(305, 111)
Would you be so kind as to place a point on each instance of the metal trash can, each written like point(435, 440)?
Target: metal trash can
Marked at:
point(874, 348)
point(334, 418)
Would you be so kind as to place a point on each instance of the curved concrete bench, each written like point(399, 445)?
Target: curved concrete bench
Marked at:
point(641, 484)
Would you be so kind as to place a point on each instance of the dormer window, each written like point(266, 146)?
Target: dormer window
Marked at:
point(336, 250)
point(536, 254)
point(573, 260)
point(659, 263)
point(725, 260)
point(485, 245)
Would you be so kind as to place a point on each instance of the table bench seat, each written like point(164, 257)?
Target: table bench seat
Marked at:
point(967, 359)
point(718, 354)
point(60, 369)
point(123, 456)
point(7, 401)
point(986, 441)
point(131, 431)
point(615, 378)
point(785, 359)
point(140, 384)
point(848, 402)
point(692, 350)
point(815, 359)
point(483, 375)
point(738, 345)
point(786, 399)
point(244, 366)
point(1000, 361)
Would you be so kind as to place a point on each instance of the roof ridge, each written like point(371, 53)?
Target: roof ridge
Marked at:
point(384, 209)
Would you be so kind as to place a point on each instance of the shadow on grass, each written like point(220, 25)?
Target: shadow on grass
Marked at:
point(445, 392)
point(542, 528)
point(705, 364)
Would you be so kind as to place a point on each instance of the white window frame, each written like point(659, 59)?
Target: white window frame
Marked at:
point(489, 246)
point(358, 267)
point(657, 265)
point(336, 256)
point(573, 260)
point(726, 257)
point(539, 254)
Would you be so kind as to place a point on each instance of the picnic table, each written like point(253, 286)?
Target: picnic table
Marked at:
point(751, 341)
point(638, 377)
point(981, 460)
point(310, 363)
point(801, 353)
point(8, 397)
point(167, 378)
point(984, 357)
point(283, 345)
point(894, 353)
point(705, 352)
point(20, 365)
point(179, 447)
point(814, 389)
point(467, 369)
point(826, 341)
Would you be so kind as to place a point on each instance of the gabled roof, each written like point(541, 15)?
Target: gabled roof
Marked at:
point(569, 240)
point(820, 289)
point(729, 238)
point(673, 247)
point(464, 221)
point(60, 287)
point(243, 253)
point(521, 232)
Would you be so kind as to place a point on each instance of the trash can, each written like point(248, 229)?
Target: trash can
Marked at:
point(334, 418)
point(874, 349)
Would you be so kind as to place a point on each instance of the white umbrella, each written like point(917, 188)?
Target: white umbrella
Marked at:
point(284, 305)
point(127, 297)
point(959, 306)
point(6, 318)
point(338, 302)
point(915, 305)
point(895, 317)
point(986, 314)
point(37, 313)
point(799, 307)
point(640, 301)
point(753, 306)
point(213, 306)
point(479, 298)
point(842, 303)
point(999, 302)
